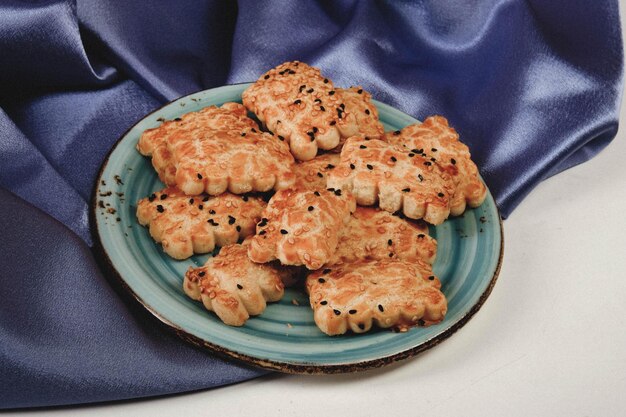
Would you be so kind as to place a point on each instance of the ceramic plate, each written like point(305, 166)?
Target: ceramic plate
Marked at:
point(284, 337)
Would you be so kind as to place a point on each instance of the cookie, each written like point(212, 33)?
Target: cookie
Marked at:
point(301, 227)
point(311, 175)
point(386, 293)
point(186, 225)
point(298, 104)
point(233, 287)
point(376, 234)
point(218, 149)
point(396, 178)
point(437, 140)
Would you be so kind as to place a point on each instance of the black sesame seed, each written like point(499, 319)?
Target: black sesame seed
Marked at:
point(310, 90)
point(380, 307)
point(163, 196)
point(441, 194)
point(211, 211)
point(199, 176)
point(453, 161)
point(330, 189)
point(326, 271)
point(178, 119)
point(238, 228)
point(262, 232)
point(369, 166)
point(302, 87)
point(297, 101)
point(244, 198)
point(323, 302)
point(266, 77)
point(367, 111)
point(280, 137)
point(421, 236)
point(200, 206)
point(360, 91)
point(317, 193)
point(352, 166)
point(333, 123)
point(394, 159)
point(390, 242)
point(361, 326)
point(321, 280)
point(411, 155)
point(433, 159)
point(240, 286)
point(391, 254)
point(432, 277)
point(420, 177)
point(263, 222)
point(337, 192)
point(231, 220)
point(201, 273)
point(421, 322)
point(160, 208)
point(317, 100)
point(406, 190)
point(319, 174)
point(283, 231)
point(352, 311)
point(322, 108)
point(428, 163)
point(311, 208)
point(343, 106)
point(325, 80)
point(152, 197)
point(397, 132)
point(363, 147)
point(433, 149)
point(315, 130)
point(191, 201)
point(253, 130)
point(330, 166)
point(337, 312)
point(205, 199)
point(331, 92)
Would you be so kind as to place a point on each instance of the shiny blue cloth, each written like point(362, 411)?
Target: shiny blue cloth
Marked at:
point(533, 88)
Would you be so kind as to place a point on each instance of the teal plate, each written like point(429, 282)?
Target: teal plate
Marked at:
point(284, 337)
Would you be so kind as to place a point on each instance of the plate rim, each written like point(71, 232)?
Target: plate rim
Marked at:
point(109, 269)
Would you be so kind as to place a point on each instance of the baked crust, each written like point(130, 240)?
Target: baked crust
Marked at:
point(234, 287)
point(376, 234)
point(398, 179)
point(386, 293)
point(218, 149)
point(311, 175)
point(440, 141)
point(297, 103)
point(186, 225)
point(301, 227)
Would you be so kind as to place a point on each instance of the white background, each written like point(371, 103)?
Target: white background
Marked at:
point(550, 340)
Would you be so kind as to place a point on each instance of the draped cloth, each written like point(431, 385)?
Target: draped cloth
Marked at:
point(532, 87)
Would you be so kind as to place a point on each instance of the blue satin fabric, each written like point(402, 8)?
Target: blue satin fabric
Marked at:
point(533, 88)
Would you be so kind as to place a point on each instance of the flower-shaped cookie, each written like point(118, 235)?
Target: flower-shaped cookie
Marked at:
point(396, 178)
point(301, 227)
point(234, 287)
point(436, 140)
point(388, 293)
point(186, 225)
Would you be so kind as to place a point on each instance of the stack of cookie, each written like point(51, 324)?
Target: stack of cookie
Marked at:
point(318, 187)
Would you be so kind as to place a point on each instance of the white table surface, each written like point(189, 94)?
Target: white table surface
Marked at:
point(550, 340)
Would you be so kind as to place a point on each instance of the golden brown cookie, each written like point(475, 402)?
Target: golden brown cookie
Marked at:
point(298, 104)
point(388, 293)
point(186, 225)
point(218, 149)
point(311, 175)
point(301, 227)
point(377, 234)
point(234, 287)
point(396, 178)
point(436, 139)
